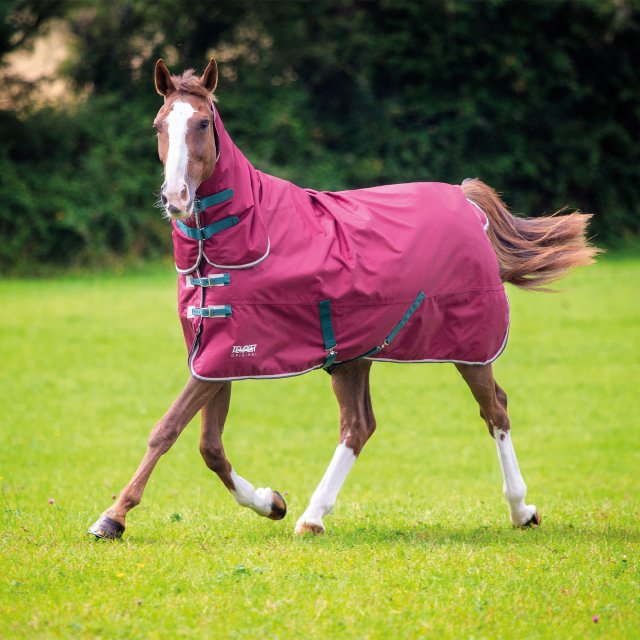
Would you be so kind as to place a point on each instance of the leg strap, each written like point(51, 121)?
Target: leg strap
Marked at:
point(327, 333)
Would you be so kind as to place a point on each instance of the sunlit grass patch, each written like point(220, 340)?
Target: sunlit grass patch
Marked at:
point(419, 544)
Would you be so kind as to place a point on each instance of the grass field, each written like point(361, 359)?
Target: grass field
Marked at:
point(419, 544)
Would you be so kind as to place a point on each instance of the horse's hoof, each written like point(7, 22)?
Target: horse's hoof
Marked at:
point(534, 521)
point(304, 528)
point(278, 507)
point(106, 528)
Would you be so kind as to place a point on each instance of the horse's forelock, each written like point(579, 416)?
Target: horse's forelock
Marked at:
point(189, 82)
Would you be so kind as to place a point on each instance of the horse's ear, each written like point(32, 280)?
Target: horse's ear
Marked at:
point(164, 83)
point(210, 76)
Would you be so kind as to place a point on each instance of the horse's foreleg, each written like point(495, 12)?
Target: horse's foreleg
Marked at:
point(493, 409)
point(111, 523)
point(264, 502)
point(357, 423)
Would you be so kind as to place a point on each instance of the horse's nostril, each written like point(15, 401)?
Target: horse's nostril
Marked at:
point(163, 198)
point(184, 193)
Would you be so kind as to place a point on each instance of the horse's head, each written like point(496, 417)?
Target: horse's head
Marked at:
point(186, 140)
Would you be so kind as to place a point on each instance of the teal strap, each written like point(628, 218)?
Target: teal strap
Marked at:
point(416, 303)
point(394, 332)
point(221, 311)
point(328, 336)
point(211, 229)
point(217, 280)
point(215, 198)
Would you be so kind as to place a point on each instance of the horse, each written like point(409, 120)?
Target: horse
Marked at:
point(303, 280)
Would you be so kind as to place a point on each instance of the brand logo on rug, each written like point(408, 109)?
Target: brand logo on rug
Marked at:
point(243, 351)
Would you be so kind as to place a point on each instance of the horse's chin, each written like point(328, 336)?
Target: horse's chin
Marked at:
point(182, 215)
point(173, 214)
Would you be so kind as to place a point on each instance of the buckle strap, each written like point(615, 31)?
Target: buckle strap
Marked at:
point(210, 230)
point(213, 311)
point(216, 280)
point(328, 336)
point(394, 332)
point(215, 198)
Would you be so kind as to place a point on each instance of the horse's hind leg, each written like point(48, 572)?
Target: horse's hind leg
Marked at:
point(112, 522)
point(264, 502)
point(357, 423)
point(493, 409)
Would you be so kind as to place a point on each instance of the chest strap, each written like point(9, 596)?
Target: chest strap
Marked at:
point(217, 280)
point(213, 311)
point(199, 206)
point(215, 198)
point(210, 230)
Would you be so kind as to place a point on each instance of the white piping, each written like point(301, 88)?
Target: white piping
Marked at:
point(486, 217)
point(241, 266)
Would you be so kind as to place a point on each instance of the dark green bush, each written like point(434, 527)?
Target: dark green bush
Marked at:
point(541, 99)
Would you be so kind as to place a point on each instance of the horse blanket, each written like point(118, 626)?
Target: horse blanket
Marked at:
point(276, 280)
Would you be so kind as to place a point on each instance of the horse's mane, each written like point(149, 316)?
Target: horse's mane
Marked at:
point(189, 82)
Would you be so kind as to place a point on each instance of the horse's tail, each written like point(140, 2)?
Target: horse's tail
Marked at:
point(532, 252)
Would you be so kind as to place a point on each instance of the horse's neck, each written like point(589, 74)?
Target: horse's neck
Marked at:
point(232, 170)
point(231, 217)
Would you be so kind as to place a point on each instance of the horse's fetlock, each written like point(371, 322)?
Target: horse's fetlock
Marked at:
point(500, 421)
point(127, 502)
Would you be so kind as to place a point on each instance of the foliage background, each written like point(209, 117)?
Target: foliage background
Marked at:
point(541, 99)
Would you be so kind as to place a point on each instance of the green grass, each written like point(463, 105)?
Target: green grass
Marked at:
point(419, 544)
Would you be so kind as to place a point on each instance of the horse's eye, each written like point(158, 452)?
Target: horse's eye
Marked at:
point(204, 124)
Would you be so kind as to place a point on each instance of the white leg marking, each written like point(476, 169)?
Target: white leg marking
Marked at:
point(257, 499)
point(178, 152)
point(513, 487)
point(324, 497)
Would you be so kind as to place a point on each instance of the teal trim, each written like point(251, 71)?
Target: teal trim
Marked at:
point(224, 311)
point(328, 336)
point(218, 280)
point(210, 230)
point(213, 199)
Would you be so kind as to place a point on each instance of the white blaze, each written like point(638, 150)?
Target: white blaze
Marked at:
point(178, 153)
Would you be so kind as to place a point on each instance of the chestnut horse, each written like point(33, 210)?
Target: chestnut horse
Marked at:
point(527, 252)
